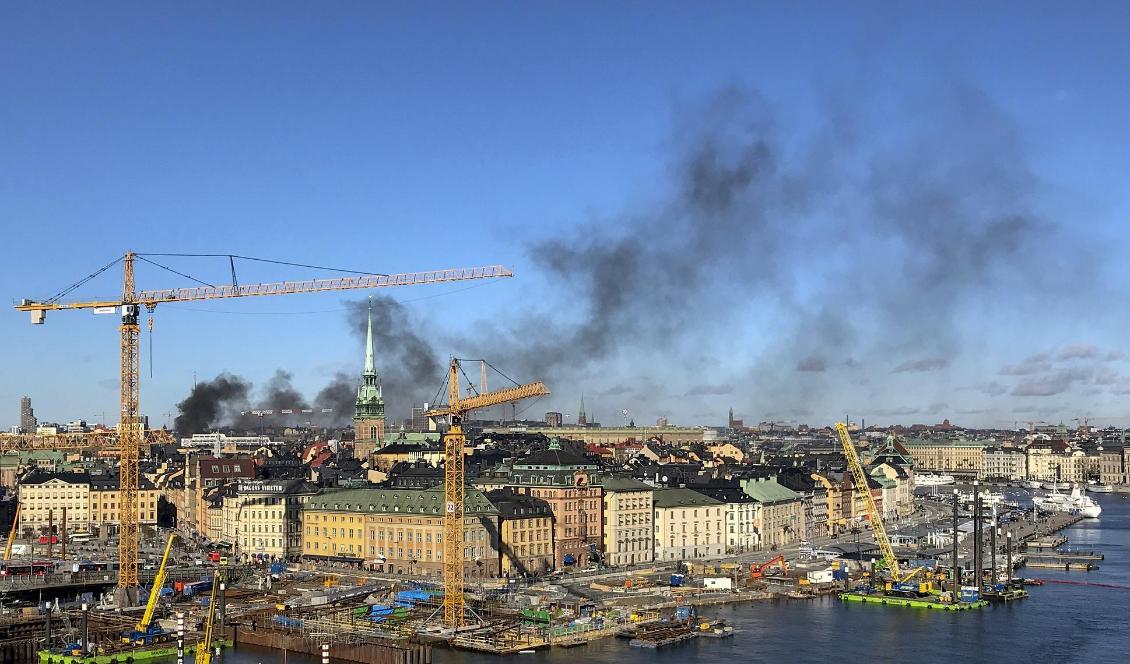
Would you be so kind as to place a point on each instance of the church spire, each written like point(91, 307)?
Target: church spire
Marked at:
point(581, 419)
point(370, 365)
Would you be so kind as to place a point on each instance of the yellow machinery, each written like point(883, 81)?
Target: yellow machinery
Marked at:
point(129, 307)
point(454, 442)
point(861, 485)
point(12, 534)
point(143, 634)
point(204, 648)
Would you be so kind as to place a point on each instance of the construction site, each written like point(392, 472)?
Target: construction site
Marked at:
point(353, 615)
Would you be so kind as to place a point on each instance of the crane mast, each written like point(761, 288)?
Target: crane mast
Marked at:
point(130, 431)
point(860, 478)
point(129, 427)
point(454, 441)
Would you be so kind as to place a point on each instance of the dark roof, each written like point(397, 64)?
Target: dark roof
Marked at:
point(97, 481)
point(512, 505)
point(554, 457)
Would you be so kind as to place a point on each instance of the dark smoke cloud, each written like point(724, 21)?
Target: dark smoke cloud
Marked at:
point(409, 367)
point(874, 250)
point(226, 401)
point(341, 396)
point(279, 393)
point(211, 403)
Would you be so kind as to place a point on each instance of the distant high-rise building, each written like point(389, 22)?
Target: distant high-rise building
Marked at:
point(369, 418)
point(419, 422)
point(553, 419)
point(581, 419)
point(27, 416)
point(661, 422)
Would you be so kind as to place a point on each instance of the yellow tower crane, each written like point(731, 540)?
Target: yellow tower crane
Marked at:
point(454, 442)
point(861, 485)
point(129, 306)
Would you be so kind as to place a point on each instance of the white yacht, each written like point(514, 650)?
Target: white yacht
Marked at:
point(1094, 487)
point(1071, 503)
point(1032, 484)
point(933, 480)
point(1056, 486)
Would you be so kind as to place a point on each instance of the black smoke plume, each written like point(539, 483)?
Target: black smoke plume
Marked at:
point(341, 396)
point(211, 403)
point(867, 252)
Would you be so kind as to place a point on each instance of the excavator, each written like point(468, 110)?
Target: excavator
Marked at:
point(757, 571)
point(146, 632)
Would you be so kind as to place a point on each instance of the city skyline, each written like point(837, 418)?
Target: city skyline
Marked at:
point(762, 210)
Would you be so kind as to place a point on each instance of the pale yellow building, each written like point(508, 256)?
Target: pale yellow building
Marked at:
point(91, 501)
point(263, 518)
point(688, 525)
point(398, 531)
point(958, 456)
point(526, 524)
point(629, 521)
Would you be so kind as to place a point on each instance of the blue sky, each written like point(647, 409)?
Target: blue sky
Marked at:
point(395, 137)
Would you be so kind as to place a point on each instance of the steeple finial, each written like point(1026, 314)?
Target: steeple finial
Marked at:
point(370, 365)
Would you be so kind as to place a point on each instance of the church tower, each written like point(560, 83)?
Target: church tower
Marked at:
point(369, 418)
point(582, 420)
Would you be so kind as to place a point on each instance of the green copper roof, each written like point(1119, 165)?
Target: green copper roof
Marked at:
point(683, 498)
point(768, 491)
point(398, 501)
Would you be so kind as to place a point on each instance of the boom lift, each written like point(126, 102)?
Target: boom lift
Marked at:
point(454, 442)
point(129, 305)
point(204, 647)
point(146, 633)
point(860, 478)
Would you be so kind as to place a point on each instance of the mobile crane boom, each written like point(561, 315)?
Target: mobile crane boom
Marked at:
point(861, 485)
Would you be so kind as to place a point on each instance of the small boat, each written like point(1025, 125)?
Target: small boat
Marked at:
point(1095, 487)
point(1032, 484)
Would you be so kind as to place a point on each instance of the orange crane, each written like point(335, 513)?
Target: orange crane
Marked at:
point(129, 306)
point(757, 571)
point(454, 442)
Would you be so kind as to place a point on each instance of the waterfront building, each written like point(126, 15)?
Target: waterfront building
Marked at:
point(398, 531)
point(263, 518)
point(1055, 460)
point(688, 525)
point(1003, 463)
point(526, 531)
point(568, 482)
point(92, 501)
point(954, 456)
point(628, 521)
point(779, 518)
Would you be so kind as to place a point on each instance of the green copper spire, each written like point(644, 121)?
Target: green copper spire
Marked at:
point(370, 400)
point(370, 366)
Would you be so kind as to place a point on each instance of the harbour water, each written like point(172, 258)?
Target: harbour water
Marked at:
point(1059, 623)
